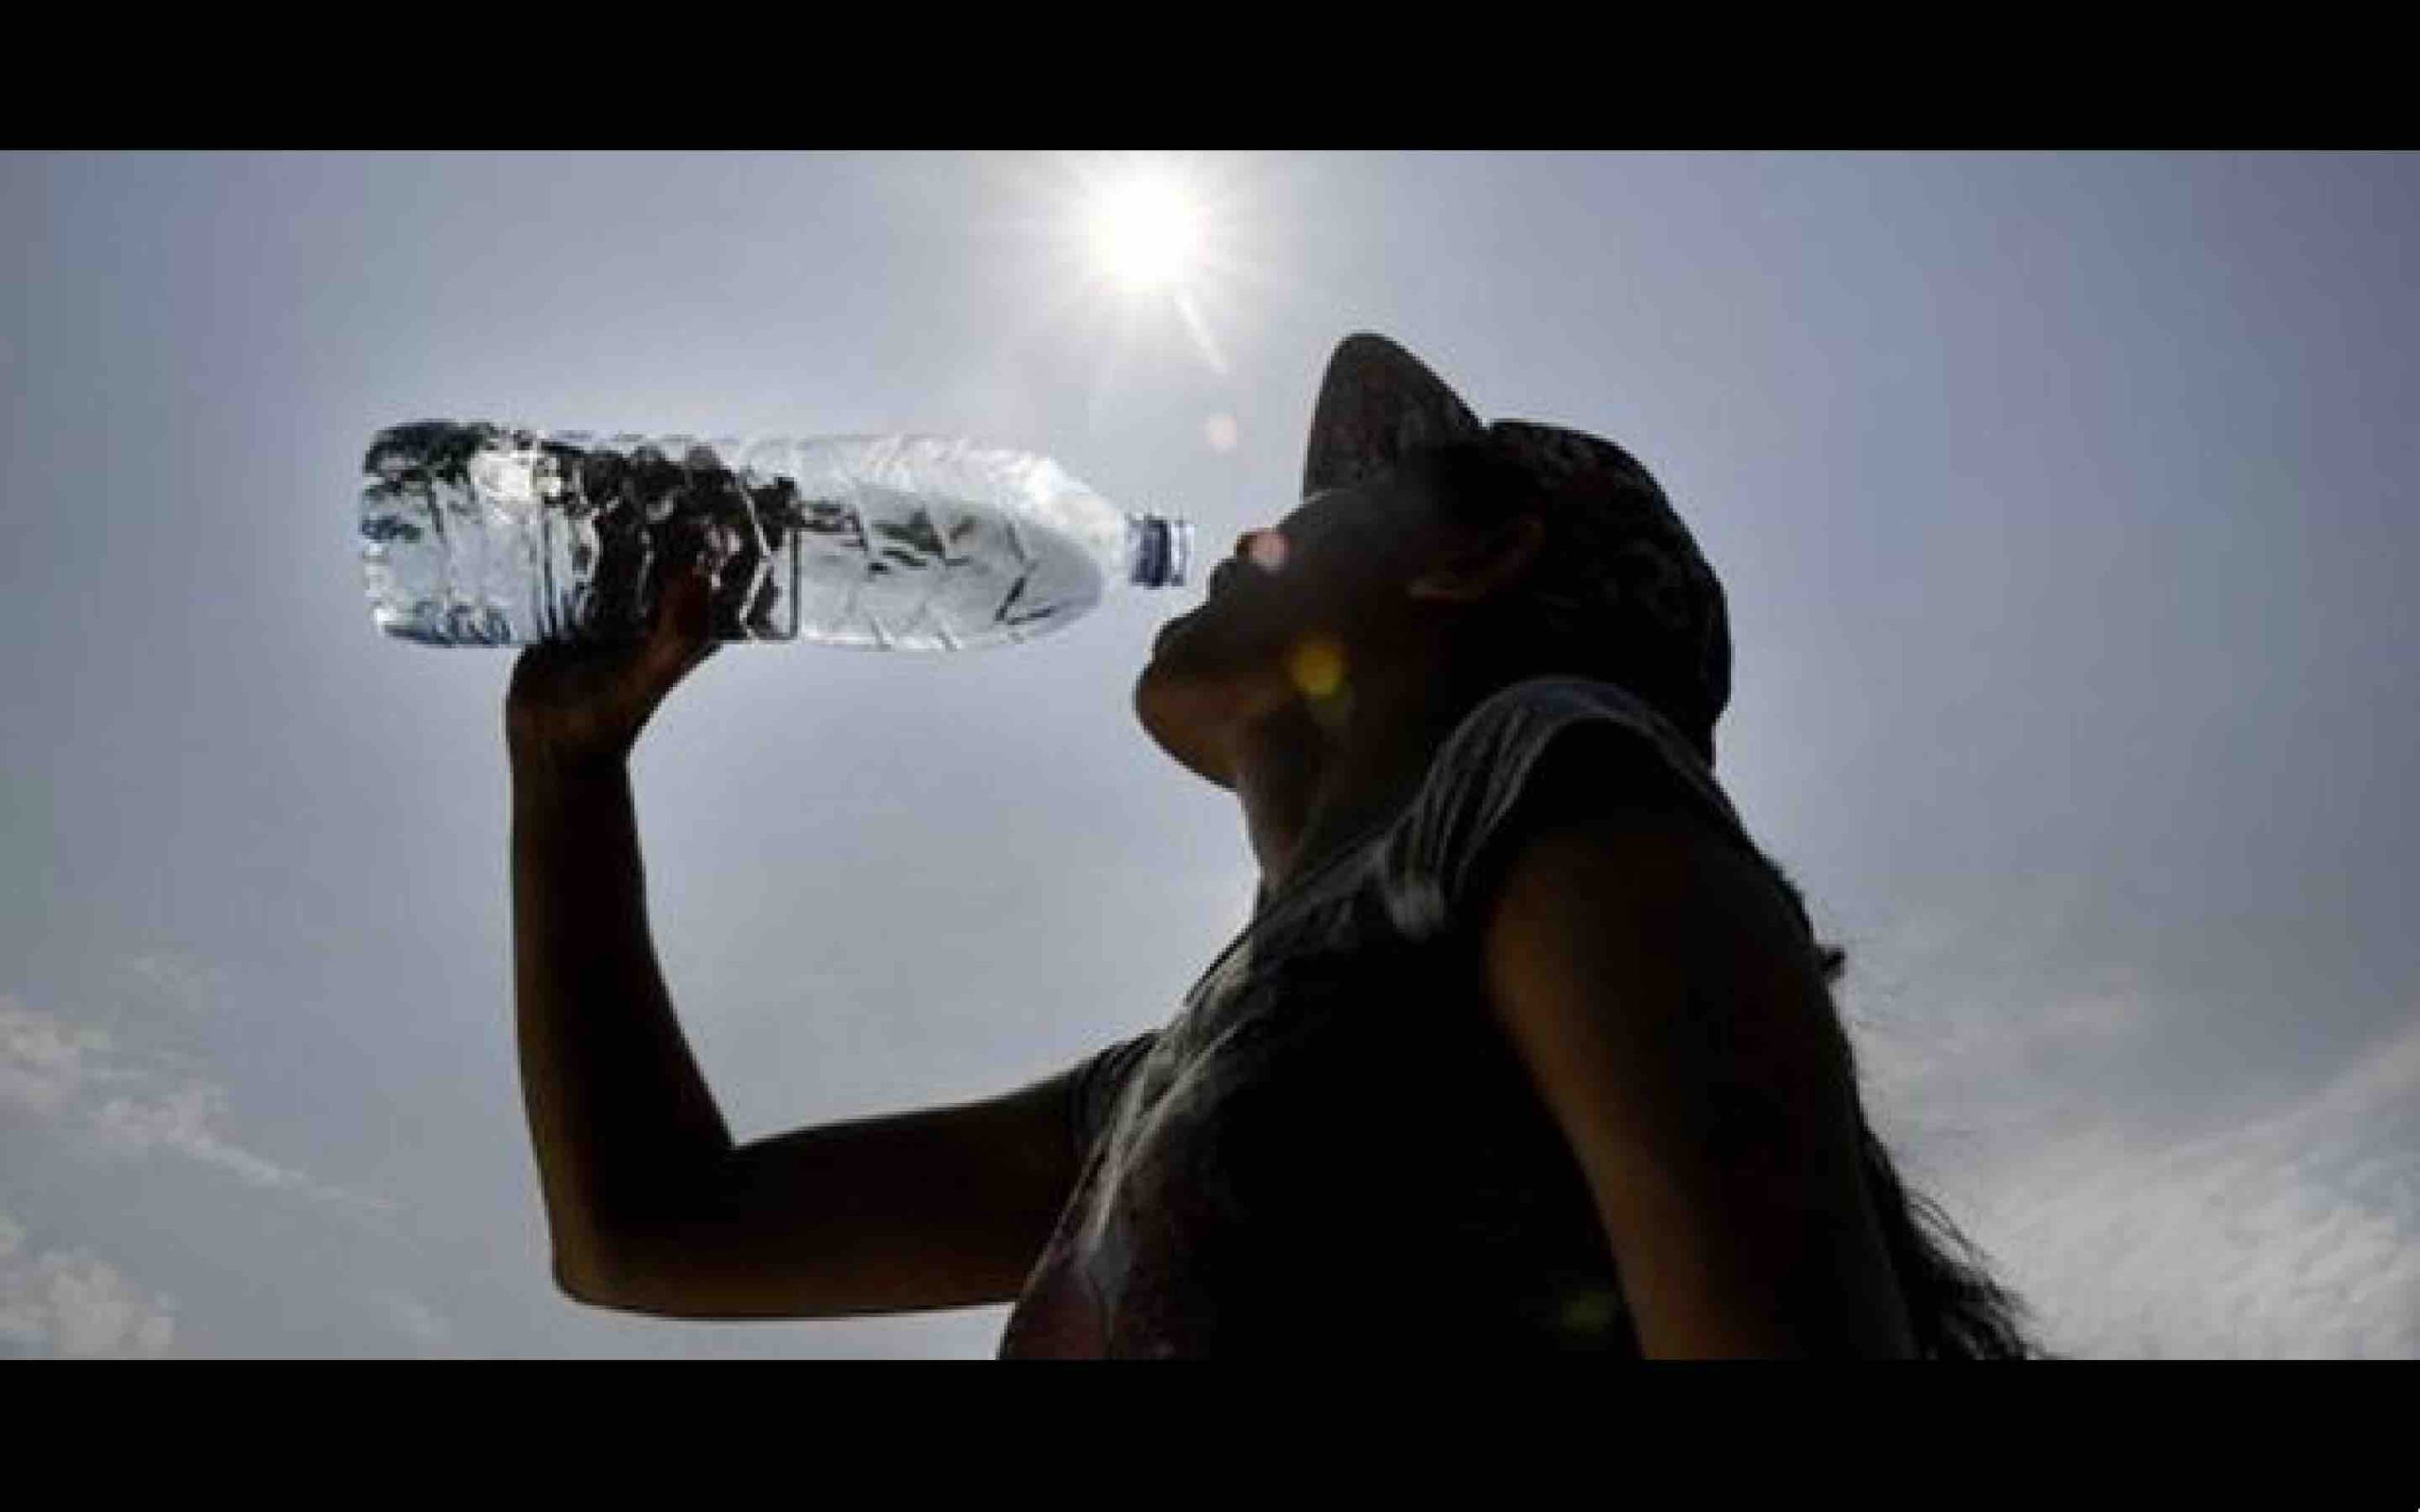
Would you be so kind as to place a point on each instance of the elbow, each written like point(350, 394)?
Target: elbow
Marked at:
point(632, 1276)
point(616, 1265)
point(582, 1280)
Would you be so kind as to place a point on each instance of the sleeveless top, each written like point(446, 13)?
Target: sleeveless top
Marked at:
point(1333, 1146)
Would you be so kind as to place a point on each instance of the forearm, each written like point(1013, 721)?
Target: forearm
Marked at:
point(622, 1119)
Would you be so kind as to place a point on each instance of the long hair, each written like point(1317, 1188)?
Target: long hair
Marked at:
point(1550, 624)
point(1956, 1308)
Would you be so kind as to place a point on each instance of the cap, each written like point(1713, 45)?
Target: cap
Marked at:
point(1623, 567)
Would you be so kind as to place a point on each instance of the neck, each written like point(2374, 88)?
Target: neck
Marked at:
point(1316, 774)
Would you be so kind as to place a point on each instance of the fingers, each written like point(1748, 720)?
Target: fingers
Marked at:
point(682, 634)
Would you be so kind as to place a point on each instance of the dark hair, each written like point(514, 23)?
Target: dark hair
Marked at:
point(1957, 1309)
point(1559, 620)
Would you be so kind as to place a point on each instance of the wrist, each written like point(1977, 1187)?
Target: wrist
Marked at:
point(541, 771)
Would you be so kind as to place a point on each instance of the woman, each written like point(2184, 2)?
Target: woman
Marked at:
point(1527, 1048)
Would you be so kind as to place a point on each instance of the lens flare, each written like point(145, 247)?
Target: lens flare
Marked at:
point(1316, 666)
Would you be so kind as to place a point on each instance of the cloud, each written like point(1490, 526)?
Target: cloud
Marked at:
point(2294, 1235)
point(1983, 1035)
point(179, 1120)
point(45, 1062)
point(2055, 1106)
point(40, 1067)
point(69, 1304)
point(82, 1089)
point(87, 1087)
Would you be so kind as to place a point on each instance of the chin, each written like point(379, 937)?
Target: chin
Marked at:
point(1182, 717)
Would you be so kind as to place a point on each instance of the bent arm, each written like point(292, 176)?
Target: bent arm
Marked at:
point(905, 1212)
point(621, 1118)
point(651, 1207)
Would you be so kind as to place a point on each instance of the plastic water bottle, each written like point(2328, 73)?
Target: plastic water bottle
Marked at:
point(476, 534)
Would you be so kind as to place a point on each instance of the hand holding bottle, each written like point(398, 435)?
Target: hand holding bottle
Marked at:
point(581, 708)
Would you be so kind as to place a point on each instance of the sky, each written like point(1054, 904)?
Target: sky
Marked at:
point(2062, 502)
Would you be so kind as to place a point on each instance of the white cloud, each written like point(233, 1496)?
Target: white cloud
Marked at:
point(84, 1085)
point(2036, 1096)
point(69, 1304)
point(71, 1086)
point(41, 1059)
point(179, 1120)
point(2296, 1235)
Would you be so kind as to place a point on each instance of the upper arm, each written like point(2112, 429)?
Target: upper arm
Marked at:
point(1670, 1011)
point(941, 1207)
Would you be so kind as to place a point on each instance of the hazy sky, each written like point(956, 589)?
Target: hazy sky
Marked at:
point(2063, 504)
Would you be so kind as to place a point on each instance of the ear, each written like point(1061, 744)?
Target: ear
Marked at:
point(1478, 572)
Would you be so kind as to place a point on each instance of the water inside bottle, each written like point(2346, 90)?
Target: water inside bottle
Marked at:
point(475, 535)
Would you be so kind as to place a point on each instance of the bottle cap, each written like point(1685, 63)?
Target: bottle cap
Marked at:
point(1161, 550)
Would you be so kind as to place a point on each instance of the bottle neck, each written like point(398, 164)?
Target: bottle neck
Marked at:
point(1159, 551)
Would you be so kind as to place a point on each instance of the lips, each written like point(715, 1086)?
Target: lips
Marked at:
point(1222, 582)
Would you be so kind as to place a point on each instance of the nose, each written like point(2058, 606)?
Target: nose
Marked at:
point(1264, 548)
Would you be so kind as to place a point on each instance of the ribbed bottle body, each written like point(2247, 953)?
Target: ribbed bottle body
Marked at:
point(476, 534)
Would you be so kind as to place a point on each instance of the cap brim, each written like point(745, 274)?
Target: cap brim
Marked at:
point(1377, 404)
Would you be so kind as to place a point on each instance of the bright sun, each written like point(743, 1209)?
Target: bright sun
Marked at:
point(1153, 232)
point(1146, 231)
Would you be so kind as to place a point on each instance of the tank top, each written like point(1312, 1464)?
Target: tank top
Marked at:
point(1332, 1147)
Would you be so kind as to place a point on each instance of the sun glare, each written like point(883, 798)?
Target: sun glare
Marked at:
point(1146, 231)
point(1147, 243)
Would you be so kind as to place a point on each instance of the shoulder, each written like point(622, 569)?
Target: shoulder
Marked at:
point(1601, 791)
point(1642, 865)
point(1626, 913)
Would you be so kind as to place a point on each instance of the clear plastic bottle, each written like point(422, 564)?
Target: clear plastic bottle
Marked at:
point(476, 534)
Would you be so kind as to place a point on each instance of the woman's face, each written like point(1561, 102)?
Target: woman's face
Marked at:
point(1291, 614)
